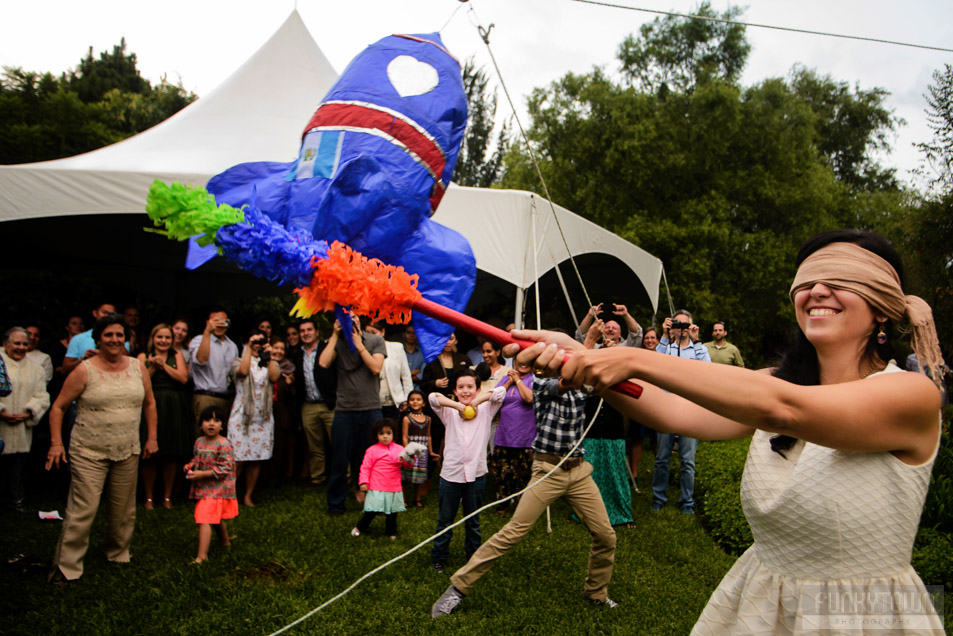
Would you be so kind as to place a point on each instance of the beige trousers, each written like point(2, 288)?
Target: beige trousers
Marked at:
point(90, 478)
point(580, 492)
point(316, 419)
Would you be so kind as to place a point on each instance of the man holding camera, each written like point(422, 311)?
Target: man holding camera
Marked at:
point(611, 330)
point(680, 338)
point(212, 354)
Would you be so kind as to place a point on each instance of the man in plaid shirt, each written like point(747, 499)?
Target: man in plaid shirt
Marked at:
point(560, 421)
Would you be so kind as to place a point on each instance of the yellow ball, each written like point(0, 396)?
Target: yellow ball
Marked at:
point(469, 412)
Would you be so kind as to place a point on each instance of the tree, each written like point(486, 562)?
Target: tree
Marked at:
point(850, 126)
point(477, 164)
point(939, 153)
point(101, 102)
point(92, 79)
point(721, 182)
point(674, 53)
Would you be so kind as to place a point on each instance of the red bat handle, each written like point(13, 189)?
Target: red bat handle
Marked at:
point(480, 328)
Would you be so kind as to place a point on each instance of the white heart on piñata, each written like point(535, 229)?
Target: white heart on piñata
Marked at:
point(410, 76)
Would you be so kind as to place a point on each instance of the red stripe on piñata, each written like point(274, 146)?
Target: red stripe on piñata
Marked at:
point(390, 123)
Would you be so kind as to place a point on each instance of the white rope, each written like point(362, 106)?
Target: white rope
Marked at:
point(447, 529)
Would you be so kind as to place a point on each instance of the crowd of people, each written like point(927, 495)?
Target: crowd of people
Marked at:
point(366, 416)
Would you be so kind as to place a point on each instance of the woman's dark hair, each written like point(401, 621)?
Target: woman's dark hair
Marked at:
point(108, 320)
point(496, 346)
point(799, 360)
point(256, 333)
point(381, 424)
point(482, 372)
point(213, 412)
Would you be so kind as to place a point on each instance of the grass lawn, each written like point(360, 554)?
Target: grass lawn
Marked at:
point(290, 556)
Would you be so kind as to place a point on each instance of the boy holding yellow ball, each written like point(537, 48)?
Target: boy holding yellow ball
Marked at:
point(463, 474)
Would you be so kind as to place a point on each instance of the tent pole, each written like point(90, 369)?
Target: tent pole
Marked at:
point(562, 283)
point(518, 310)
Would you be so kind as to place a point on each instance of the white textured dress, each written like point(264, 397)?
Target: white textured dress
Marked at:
point(833, 536)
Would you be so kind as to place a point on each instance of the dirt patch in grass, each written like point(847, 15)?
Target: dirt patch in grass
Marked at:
point(271, 571)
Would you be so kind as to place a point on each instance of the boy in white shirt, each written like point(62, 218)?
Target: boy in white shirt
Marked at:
point(463, 475)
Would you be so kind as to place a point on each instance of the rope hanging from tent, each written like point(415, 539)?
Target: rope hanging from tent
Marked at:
point(485, 36)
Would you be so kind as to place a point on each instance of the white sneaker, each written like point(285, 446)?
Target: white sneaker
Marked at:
point(608, 603)
point(355, 532)
point(447, 603)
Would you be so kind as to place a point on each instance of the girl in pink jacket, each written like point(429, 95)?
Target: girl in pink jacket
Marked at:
point(380, 478)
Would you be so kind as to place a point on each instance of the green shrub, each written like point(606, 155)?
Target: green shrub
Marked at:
point(933, 561)
point(938, 507)
point(719, 466)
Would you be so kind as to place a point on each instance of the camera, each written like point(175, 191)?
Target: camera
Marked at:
point(678, 324)
point(264, 357)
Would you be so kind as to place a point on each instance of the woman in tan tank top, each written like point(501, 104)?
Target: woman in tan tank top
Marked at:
point(112, 392)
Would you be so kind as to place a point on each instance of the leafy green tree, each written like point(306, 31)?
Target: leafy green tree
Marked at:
point(93, 78)
point(480, 162)
point(674, 53)
point(939, 153)
point(850, 125)
point(721, 182)
point(101, 102)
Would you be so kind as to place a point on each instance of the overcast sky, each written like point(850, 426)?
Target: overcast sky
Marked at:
point(535, 41)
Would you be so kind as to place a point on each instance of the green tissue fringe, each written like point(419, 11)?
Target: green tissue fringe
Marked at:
point(187, 211)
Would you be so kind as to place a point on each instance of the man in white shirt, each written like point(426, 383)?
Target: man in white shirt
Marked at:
point(212, 354)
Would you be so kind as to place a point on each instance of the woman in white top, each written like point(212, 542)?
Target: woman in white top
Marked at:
point(842, 450)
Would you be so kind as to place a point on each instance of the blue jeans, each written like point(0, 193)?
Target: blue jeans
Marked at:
point(449, 496)
point(686, 454)
point(350, 437)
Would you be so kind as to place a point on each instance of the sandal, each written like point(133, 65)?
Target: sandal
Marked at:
point(419, 505)
point(167, 503)
point(149, 504)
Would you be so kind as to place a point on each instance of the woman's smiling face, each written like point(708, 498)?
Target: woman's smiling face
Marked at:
point(828, 315)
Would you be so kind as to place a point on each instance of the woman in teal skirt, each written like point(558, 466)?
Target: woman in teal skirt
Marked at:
point(605, 450)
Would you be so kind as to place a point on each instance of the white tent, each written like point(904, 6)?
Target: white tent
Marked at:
point(258, 114)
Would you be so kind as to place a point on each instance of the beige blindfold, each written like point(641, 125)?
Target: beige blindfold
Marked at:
point(850, 267)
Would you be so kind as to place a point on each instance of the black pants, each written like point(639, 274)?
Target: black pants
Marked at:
point(390, 523)
point(12, 466)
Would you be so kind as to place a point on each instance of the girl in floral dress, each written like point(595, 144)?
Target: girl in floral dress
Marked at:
point(212, 473)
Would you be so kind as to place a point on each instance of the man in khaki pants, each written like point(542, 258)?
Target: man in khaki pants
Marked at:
point(560, 421)
point(315, 390)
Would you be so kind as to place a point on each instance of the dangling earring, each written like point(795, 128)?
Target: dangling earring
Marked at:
point(882, 335)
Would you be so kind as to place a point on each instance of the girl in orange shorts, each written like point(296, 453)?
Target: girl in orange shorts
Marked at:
point(212, 473)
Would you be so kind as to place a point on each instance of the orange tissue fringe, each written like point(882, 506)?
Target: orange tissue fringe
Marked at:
point(368, 286)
